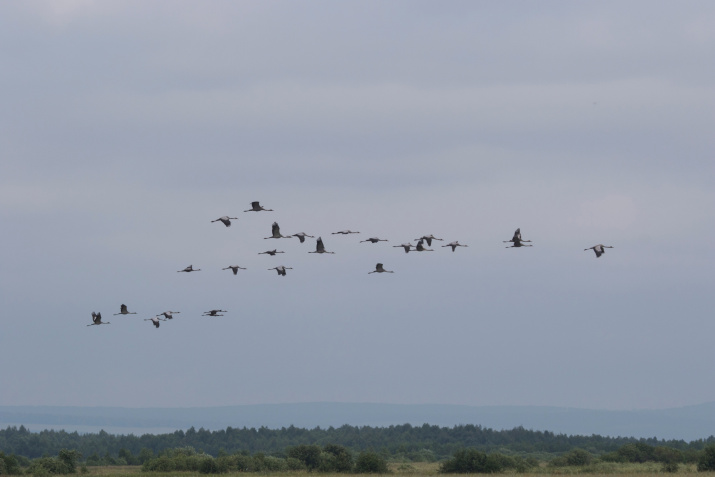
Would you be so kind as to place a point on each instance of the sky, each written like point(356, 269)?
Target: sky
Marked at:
point(126, 127)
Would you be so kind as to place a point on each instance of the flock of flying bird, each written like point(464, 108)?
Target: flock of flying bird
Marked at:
point(516, 241)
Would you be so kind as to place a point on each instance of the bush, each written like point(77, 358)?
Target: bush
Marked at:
point(208, 465)
point(9, 464)
point(336, 458)
point(369, 462)
point(706, 463)
point(579, 458)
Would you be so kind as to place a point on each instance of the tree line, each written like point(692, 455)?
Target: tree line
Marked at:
point(402, 442)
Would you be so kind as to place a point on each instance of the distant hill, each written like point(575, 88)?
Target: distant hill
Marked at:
point(686, 423)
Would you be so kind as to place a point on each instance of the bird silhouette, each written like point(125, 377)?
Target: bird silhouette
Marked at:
point(123, 311)
point(213, 313)
point(97, 319)
point(517, 238)
point(379, 269)
point(270, 252)
point(319, 247)
point(599, 249)
point(345, 232)
point(302, 235)
point(420, 247)
point(234, 268)
point(169, 314)
point(226, 220)
point(155, 321)
point(276, 232)
point(256, 207)
point(454, 245)
point(374, 240)
point(428, 239)
point(188, 269)
point(406, 246)
point(281, 270)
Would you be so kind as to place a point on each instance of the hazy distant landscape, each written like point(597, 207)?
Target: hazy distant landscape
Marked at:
point(687, 423)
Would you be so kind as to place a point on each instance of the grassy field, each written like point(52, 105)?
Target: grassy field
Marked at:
point(420, 469)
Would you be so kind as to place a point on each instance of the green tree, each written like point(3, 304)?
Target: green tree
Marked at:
point(308, 454)
point(706, 463)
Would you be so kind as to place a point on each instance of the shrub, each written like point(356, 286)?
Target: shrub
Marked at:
point(579, 458)
point(339, 458)
point(9, 464)
point(369, 462)
point(208, 465)
point(465, 461)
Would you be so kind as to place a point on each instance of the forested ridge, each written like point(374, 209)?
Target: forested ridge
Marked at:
point(426, 442)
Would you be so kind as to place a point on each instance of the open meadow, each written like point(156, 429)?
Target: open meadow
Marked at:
point(430, 469)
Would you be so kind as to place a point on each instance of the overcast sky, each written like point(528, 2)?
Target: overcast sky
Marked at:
point(127, 126)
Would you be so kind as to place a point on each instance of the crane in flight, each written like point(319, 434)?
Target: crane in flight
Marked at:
point(123, 311)
point(155, 321)
point(302, 235)
point(256, 207)
point(276, 232)
point(406, 246)
point(380, 269)
point(374, 240)
point(226, 220)
point(213, 313)
point(188, 269)
point(272, 253)
point(428, 239)
point(281, 269)
point(420, 247)
point(517, 238)
point(599, 249)
point(169, 314)
point(97, 319)
point(319, 247)
point(345, 232)
point(234, 268)
point(454, 245)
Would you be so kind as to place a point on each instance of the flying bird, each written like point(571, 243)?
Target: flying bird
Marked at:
point(319, 247)
point(270, 252)
point(517, 238)
point(97, 319)
point(454, 245)
point(420, 247)
point(599, 249)
point(302, 235)
point(428, 239)
point(213, 313)
point(374, 240)
point(345, 232)
point(226, 220)
point(234, 268)
point(155, 321)
point(406, 246)
point(123, 311)
point(256, 207)
point(169, 314)
point(281, 269)
point(276, 232)
point(190, 268)
point(379, 269)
